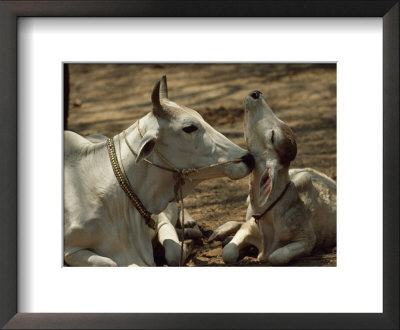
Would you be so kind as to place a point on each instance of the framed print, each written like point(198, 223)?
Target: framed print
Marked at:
point(33, 279)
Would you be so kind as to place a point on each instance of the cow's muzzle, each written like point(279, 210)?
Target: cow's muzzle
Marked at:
point(248, 159)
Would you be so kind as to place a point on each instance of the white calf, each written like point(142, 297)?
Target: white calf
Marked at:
point(104, 223)
point(290, 211)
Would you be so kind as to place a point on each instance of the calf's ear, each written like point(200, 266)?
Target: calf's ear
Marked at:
point(147, 145)
point(288, 148)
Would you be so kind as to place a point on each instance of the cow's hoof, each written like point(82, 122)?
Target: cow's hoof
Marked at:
point(189, 221)
point(193, 233)
point(230, 253)
point(172, 252)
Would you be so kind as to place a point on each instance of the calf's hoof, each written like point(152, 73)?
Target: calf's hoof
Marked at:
point(280, 257)
point(223, 231)
point(230, 254)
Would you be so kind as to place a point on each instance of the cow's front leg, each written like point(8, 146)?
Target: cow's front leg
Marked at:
point(189, 221)
point(87, 258)
point(293, 250)
point(248, 234)
point(168, 238)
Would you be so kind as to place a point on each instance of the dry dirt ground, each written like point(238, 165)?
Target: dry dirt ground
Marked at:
point(107, 98)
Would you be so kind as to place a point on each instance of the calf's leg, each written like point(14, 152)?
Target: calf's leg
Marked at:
point(293, 250)
point(248, 234)
point(225, 230)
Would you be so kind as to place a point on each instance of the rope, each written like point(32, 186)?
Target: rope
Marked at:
point(258, 216)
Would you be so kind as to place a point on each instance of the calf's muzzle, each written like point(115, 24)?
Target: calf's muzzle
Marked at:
point(255, 94)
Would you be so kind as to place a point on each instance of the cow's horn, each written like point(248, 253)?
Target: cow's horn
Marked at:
point(155, 97)
point(163, 88)
point(160, 93)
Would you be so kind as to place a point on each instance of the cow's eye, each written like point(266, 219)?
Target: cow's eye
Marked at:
point(189, 129)
point(272, 137)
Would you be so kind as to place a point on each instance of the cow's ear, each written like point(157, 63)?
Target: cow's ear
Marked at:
point(147, 145)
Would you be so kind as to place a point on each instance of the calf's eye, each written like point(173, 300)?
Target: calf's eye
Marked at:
point(189, 129)
point(272, 137)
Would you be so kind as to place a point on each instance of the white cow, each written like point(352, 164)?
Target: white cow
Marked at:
point(290, 211)
point(102, 227)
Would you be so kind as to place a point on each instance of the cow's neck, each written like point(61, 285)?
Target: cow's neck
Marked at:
point(152, 185)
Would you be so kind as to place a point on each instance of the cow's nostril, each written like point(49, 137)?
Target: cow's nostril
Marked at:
point(255, 95)
point(248, 159)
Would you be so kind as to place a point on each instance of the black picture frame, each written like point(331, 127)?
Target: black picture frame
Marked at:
point(9, 13)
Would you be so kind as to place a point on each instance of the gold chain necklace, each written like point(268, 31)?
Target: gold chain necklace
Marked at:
point(126, 187)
